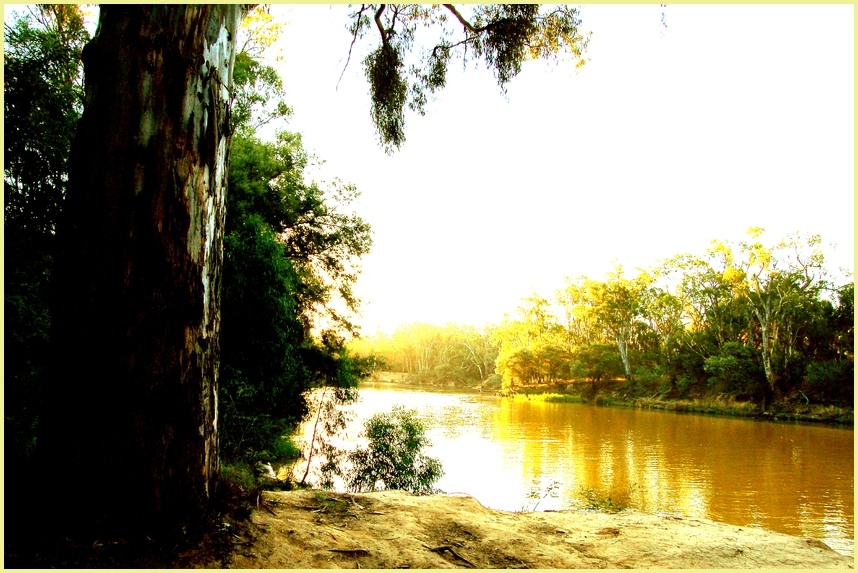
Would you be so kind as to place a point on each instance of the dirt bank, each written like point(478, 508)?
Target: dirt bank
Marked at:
point(386, 530)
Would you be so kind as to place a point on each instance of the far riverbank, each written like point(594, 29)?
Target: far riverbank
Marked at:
point(614, 393)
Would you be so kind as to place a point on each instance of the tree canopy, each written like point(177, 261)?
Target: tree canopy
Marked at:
point(755, 319)
point(43, 99)
point(502, 36)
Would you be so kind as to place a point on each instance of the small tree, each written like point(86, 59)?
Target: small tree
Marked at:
point(394, 457)
point(330, 420)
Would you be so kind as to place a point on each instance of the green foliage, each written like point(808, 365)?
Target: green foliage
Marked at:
point(256, 85)
point(735, 370)
point(506, 29)
point(531, 347)
point(384, 70)
point(289, 256)
point(323, 243)
point(263, 378)
point(43, 96)
point(239, 477)
point(596, 362)
point(284, 448)
point(843, 322)
point(244, 480)
point(501, 35)
point(605, 501)
point(831, 381)
point(393, 458)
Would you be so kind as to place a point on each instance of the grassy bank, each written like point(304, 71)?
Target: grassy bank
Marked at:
point(614, 393)
point(717, 405)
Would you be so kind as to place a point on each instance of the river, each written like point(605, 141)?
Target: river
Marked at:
point(518, 454)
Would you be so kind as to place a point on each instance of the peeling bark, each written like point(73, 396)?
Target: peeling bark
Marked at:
point(132, 409)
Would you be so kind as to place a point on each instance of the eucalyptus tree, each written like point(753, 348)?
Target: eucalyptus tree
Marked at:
point(709, 289)
point(134, 382)
point(663, 311)
point(618, 306)
point(480, 353)
point(582, 326)
point(780, 279)
point(451, 353)
point(132, 397)
point(596, 362)
point(531, 347)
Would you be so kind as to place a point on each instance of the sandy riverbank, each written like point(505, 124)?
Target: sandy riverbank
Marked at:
point(385, 530)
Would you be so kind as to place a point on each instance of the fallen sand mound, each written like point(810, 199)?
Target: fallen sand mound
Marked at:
point(388, 530)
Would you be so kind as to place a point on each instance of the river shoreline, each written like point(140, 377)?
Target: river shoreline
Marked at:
point(612, 394)
point(391, 529)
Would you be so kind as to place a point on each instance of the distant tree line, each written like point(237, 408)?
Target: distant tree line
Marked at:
point(451, 354)
point(756, 320)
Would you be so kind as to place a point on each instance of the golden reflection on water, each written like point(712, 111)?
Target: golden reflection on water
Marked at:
point(520, 455)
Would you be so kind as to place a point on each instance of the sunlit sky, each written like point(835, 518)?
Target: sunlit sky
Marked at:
point(722, 118)
point(669, 137)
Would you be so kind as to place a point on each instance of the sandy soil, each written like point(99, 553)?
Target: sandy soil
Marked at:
point(387, 530)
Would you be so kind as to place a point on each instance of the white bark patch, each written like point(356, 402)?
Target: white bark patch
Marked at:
point(218, 56)
point(205, 101)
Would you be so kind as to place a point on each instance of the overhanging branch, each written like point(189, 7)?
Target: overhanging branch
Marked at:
point(379, 25)
point(461, 18)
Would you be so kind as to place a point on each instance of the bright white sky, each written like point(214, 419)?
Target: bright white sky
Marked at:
point(729, 117)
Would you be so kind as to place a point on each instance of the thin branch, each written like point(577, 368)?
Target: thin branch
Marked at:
point(467, 40)
point(313, 439)
point(363, 7)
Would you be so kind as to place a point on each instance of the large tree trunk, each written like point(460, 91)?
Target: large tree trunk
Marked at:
point(763, 312)
point(130, 427)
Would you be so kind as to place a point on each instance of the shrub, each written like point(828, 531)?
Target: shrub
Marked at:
point(239, 477)
point(284, 449)
point(393, 458)
point(831, 381)
point(735, 370)
point(608, 502)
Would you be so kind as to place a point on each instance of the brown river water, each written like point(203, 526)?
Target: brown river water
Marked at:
point(525, 455)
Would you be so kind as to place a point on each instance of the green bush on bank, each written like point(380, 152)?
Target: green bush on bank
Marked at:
point(393, 458)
